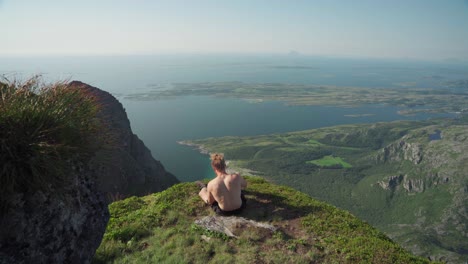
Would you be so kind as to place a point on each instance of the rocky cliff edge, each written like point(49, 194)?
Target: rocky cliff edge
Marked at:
point(66, 223)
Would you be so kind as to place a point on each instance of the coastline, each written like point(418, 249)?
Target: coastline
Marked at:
point(231, 165)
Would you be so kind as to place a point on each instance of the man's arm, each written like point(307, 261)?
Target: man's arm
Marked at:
point(206, 195)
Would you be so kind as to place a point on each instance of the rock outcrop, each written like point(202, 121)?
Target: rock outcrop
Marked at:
point(393, 183)
point(64, 223)
point(61, 225)
point(402, 150)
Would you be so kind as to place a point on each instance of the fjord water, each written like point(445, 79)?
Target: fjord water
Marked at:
point(161, 123)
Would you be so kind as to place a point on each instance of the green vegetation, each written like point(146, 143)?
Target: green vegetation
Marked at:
point(42, 128)
point(433, 100)
point(330, 161)
point(402, 182)
point(160, 228)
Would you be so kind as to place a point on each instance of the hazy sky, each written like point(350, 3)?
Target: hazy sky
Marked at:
point(422, 29)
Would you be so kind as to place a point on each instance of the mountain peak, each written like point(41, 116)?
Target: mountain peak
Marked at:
point(161, 228)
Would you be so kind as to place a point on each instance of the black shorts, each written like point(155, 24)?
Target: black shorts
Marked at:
point(220, 211)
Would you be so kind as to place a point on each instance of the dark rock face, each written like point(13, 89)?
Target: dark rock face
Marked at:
point(65, 224)
point(130, 168)
point(61, 225)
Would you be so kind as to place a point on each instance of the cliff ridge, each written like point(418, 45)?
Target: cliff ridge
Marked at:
point(279, 225)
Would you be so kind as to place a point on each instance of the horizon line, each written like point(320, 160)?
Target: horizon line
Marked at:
point(291, 54)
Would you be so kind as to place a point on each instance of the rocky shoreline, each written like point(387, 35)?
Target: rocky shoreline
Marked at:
point(198, 147)
point(231, 165)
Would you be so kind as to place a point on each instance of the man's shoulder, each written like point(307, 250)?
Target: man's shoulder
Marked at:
point(236, 175)
point(213, 182)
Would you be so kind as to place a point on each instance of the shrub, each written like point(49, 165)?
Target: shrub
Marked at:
point(43, 127)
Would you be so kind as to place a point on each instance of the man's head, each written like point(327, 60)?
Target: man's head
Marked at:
point(217, 162)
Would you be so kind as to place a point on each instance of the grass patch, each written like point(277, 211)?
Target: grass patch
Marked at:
point(330, 161)
point(314, 142)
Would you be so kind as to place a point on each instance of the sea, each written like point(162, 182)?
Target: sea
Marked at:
point(162, 123)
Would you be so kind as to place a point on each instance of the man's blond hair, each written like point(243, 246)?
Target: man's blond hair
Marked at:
point(217, 161)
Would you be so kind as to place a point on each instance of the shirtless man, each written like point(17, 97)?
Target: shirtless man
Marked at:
point(223, 193)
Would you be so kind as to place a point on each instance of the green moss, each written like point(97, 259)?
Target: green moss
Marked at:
point(159, 228)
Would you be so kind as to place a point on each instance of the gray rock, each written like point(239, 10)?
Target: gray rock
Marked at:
point(61, 225)
point(402, 150)
point(232, 226)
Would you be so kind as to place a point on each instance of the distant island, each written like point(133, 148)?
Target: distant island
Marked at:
point(359, 115)
point(417, 100)
point(294, 67)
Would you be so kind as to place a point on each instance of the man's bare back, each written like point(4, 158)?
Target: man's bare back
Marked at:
point(224, 191)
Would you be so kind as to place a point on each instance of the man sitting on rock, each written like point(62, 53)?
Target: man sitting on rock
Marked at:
point(223, 193)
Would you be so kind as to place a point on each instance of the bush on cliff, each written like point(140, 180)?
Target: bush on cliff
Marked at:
point(42, 128)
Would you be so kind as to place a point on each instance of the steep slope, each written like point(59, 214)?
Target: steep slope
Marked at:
point(427, 184)
point(129, 169)
point(160, 228)
point(406, 178)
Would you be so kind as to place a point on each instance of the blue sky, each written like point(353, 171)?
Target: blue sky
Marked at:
point(419, 29)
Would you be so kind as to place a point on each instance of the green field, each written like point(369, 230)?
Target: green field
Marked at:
point(330, 161)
